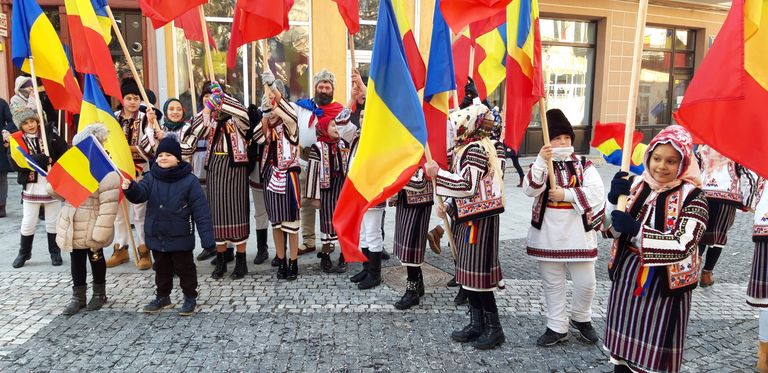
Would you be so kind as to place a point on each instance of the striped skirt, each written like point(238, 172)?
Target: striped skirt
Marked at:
point(721, 218)
point(282, 207)
point(477, 246)
point(645, 332)
point(757, 288)
point(228, 195)
point(328, 199)
point(411, 226)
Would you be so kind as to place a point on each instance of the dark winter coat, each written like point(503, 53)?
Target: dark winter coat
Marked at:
point(6, 124)
point(175, 200)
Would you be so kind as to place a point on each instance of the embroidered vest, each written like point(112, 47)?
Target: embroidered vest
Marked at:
point(325, 161)
point(420, 197)
point(760, 233)
point(676, 278)
point(287, 152)
point(487, 201)
point(238, 149)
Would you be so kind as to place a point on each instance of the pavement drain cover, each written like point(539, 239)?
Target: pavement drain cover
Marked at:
point(395, 277)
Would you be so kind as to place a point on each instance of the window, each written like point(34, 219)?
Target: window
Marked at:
point(666, 71)
point(289, 56)
point(568, 68)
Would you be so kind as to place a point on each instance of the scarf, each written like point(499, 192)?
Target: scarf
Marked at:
point(323, 113)
point(680, 139)
point(169, 124)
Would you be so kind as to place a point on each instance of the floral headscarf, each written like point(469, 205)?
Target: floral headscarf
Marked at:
point(679, 138)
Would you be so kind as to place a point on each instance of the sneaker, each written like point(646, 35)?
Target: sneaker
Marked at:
point(205, 255)
point(551, 338)
point(586, 332)
point(158, 304)
point(188, 308)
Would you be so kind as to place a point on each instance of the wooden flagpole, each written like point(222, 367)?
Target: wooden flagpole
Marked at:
point(190, 68)
point(254, 46)
point(132, 66)
point(545, 133)
point(634, 85)
point(352, 50)
point(39, 107)
point(265, 60)
point(127, 221)
point(208, 57)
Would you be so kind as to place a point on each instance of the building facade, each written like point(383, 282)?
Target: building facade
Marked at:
point(587, 54)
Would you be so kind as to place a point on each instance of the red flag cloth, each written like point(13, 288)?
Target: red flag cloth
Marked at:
point(163, 11)
point(460, 13)
point(193, 29)
point(256, 20)
point(350, 12)
point(723, 106)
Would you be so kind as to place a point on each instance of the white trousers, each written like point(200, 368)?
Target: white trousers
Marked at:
point(31, 212)
point(259, 210)
point(553, 278)
point(122, 229)
point(763, 326)
point(370, 231)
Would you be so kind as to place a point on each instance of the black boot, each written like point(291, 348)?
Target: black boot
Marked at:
point(461, 297)
point(206, 254)
point(473, 330)
point(261, 245)
point(241, 268)
point(25, 251)
point(411, 296)
point(77, 302)
point(326, 264)
point(342, 267)
point(293, 269)
point(282, 269)
point(361, 275)
point(99, 297)
point(221, 266)
point(420, 284)
point(228, 257)
point(384, 254)
point(275, 261)
point(54, 250)
point(373, 275)
point(492, 335)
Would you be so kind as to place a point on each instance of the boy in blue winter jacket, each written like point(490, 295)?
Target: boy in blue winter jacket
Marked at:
point(175, 201)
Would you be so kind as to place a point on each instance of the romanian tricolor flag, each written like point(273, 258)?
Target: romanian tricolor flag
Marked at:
point(33, 38)
point(91, 52)
point(412, 54)
point(524, 80)
point(440, 83)
point(723, 106)
point(105, 23)
point(608, 139)
point(393, 112)
point(77, 174)
point(490, 48)
point(96, 110)
point(20, 153)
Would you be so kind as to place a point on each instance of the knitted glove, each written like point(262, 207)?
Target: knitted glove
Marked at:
point(268, 78)
point(266, 104)
point(343, 117)
point(213, 102)
point(619, 187)
point(624, 223)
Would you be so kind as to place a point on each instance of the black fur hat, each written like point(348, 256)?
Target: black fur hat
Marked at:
point(129, 87)
point(559, 124)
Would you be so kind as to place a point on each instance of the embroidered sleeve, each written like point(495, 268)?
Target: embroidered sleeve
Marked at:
point(589, 199)
point(463, 183)
point(201, 124)
point(286, 112)
point(417, 182)
point(535, 182)
point(313, 173)
point(664, 248)
point(145, 146)
point(748, 186)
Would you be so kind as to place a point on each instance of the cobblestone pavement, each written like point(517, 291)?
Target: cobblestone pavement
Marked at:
point(323, 323)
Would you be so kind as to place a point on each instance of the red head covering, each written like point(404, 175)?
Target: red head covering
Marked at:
point(679, 138)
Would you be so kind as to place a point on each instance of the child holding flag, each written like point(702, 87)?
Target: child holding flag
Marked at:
point(654, 261)
point(34, 193)
point(85, 230)
point(176, 205)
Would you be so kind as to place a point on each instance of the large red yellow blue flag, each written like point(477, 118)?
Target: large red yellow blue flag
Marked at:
point(524, 80)
point(490, 57)
point(393, 112)
point(77, 174)
point(460, 13)
point(100, 7)
point(412, 54)
point(33, 38)
point(96, 110)
point(91, 52)
point(723, 106)
point(440, 83)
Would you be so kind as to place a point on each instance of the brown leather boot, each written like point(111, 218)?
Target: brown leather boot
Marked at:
point(119, 256)
point(304, 248)
point(433, 237)
point(145, 261)
point(707, 278)
point(762, 357)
